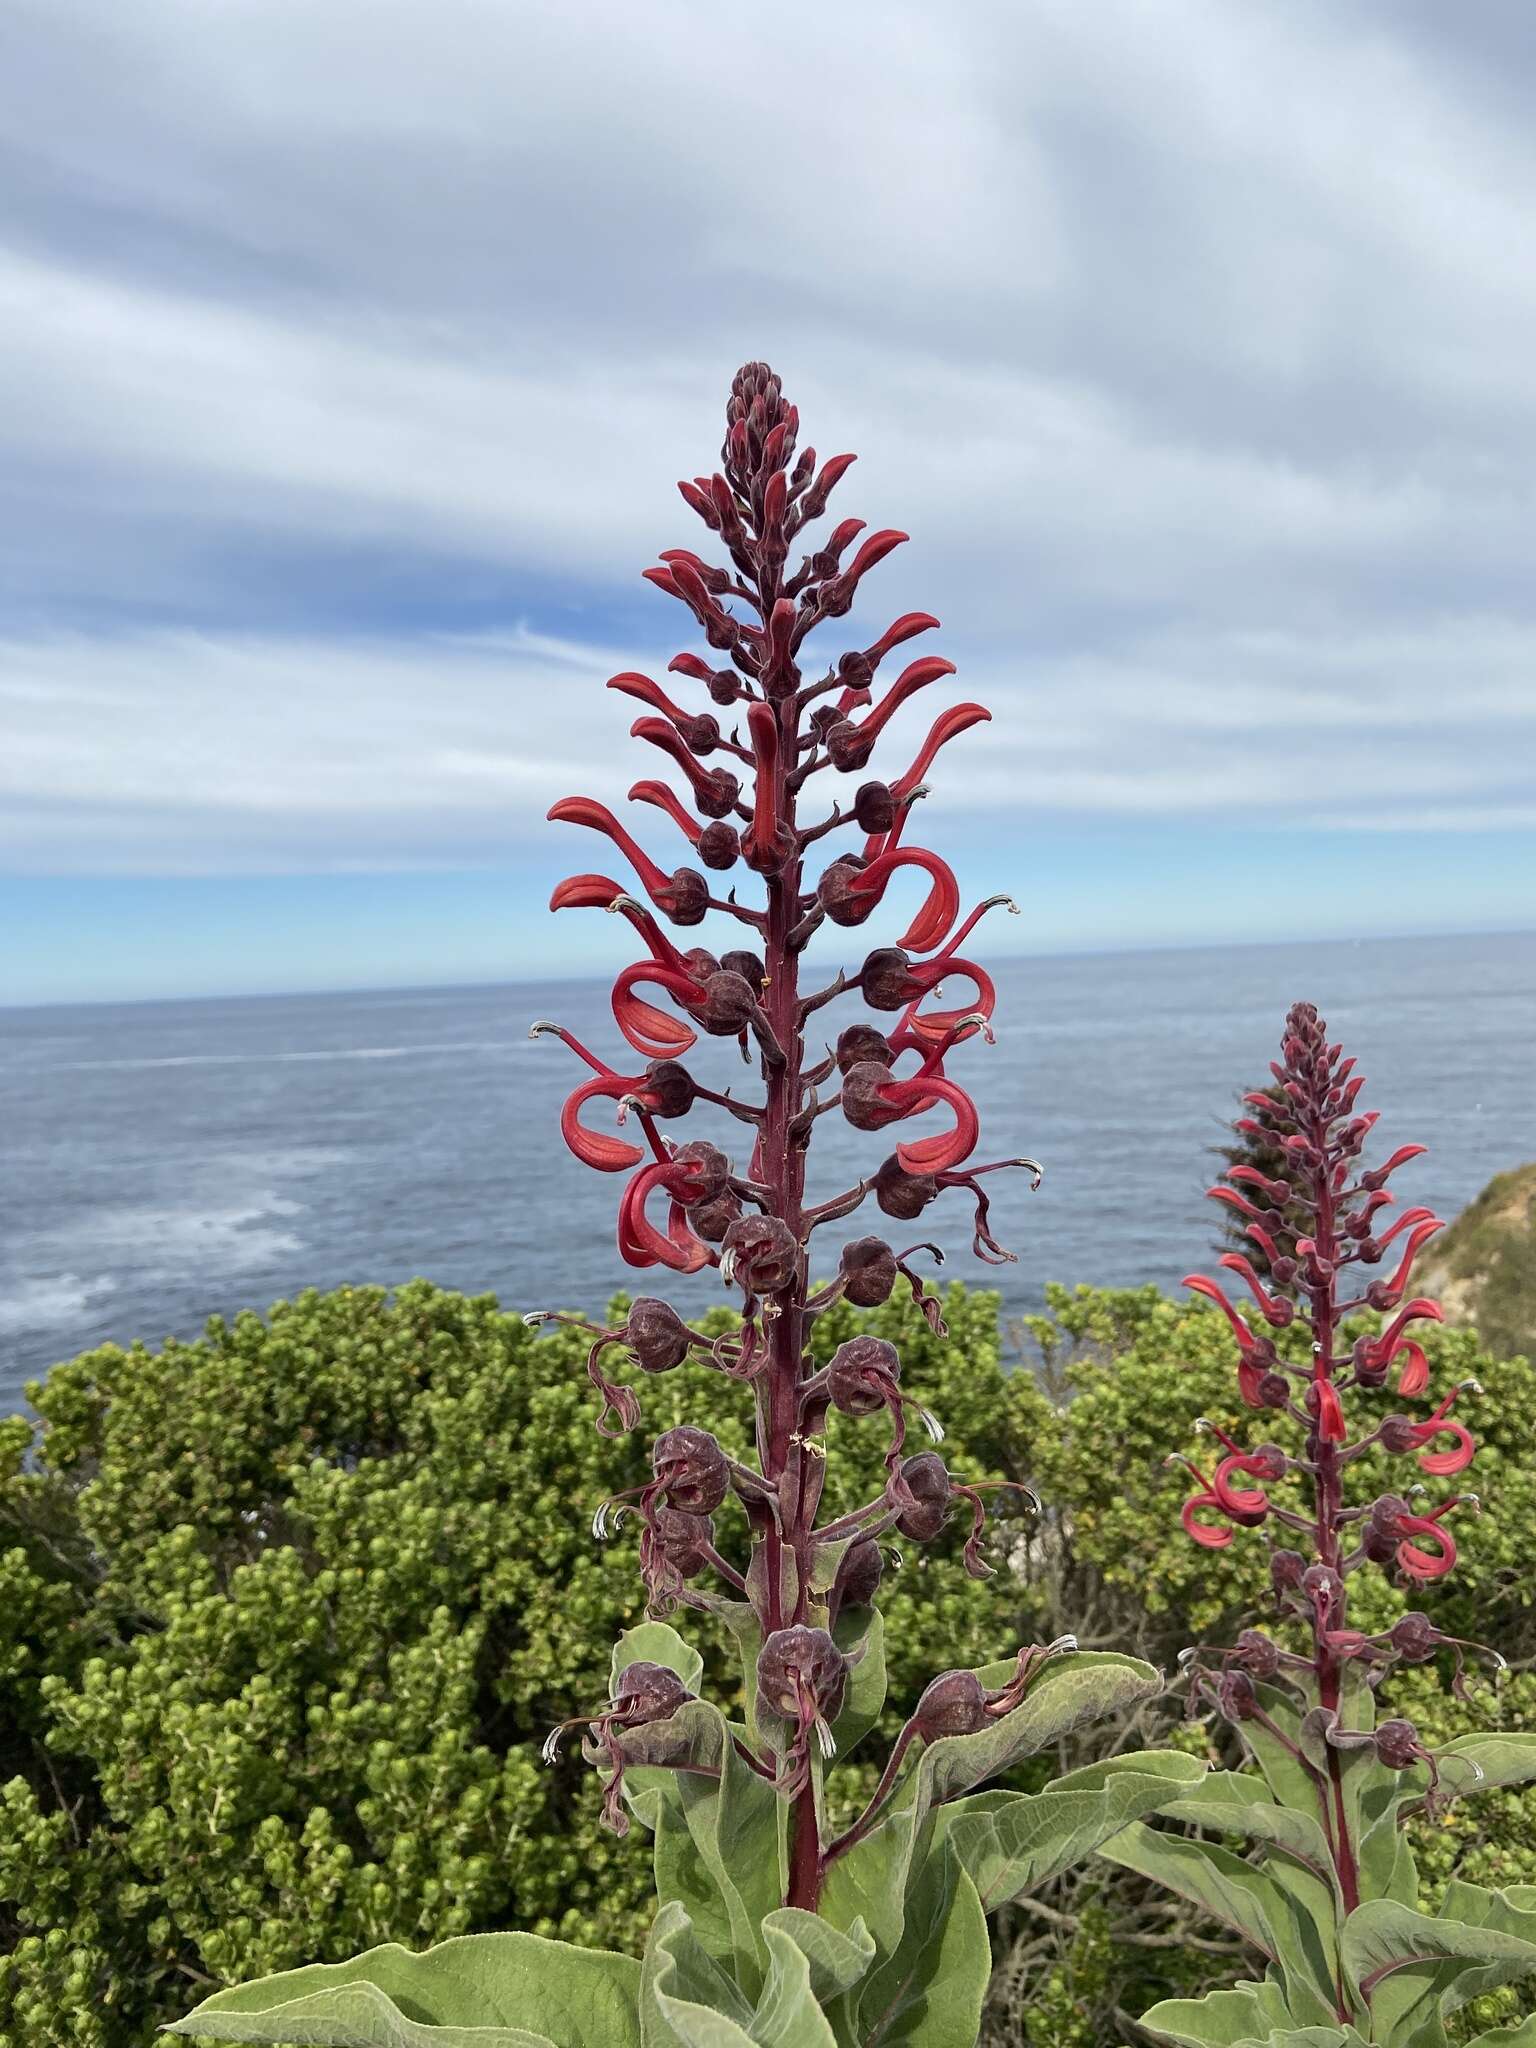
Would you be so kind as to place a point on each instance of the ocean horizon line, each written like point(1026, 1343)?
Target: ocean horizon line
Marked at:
point(1159, 948)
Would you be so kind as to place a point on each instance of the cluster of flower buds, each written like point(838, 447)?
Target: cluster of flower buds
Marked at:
point(778, 725)
point(1310, 1119)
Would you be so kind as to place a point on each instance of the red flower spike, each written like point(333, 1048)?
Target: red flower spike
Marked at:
point(685, 1208)
point(1311, 1118)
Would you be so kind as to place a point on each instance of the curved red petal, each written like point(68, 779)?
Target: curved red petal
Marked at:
point(1442, 1464)
point(649, 1030)
point(938, 1154)
point(595, 1148)
point(585, 892)
point(1208, 1535)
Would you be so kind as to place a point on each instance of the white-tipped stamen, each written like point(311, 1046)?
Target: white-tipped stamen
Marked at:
point(534, 1316)
point(728, 1266)
point(542, 1028)
point(625, 903)
point(826, 1740)
point(1470, 1387)
point(932, 1424)
point(600, 1523)
point(550, 1753)
point(1187, 1657)
point(1202, 1424)
point(1061, 1645)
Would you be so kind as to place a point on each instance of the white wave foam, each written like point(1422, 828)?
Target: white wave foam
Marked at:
point(249, 1059)
point(46, 1303)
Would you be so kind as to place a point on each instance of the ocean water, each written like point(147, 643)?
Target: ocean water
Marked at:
point(161, 1162)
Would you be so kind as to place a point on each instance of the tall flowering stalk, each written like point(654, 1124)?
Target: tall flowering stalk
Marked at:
point(789, 725)
point(772, 1925)
point(1336, 1915)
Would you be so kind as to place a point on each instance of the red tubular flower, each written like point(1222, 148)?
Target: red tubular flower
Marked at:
point(867, 886)
point(666, 799)
point(699, 733)
point(640, 1243)
point(947, 726)
point(715, 790)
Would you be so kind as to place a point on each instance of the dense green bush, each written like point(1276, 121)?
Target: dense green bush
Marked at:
point(285, 1614)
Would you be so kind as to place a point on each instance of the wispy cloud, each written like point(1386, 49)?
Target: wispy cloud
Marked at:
point(357, 348)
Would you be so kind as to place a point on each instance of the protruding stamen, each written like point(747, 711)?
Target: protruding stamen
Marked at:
point(932, 1424)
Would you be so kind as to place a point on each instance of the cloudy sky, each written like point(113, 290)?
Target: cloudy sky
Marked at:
point(352, 350)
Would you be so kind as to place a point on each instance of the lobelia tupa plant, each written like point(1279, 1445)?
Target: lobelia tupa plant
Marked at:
point(777, 1922)
point(1333, 1902)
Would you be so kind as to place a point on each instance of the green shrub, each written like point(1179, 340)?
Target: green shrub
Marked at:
point(286, 1613)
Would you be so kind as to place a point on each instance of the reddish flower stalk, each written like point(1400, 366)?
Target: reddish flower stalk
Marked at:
point(1311, 1118)
point(689, 1207)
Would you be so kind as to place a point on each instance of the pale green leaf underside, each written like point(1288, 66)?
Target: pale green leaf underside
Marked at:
point(479, 1991)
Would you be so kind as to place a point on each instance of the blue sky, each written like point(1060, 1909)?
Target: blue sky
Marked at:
point(358, 349)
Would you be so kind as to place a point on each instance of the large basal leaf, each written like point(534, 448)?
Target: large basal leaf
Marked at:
point(929, 1993)
point(1289, 1781)
point(1405, 1965)
point(1070, 1691)
point(478, 1991)
point(837, 1960)
point(1246, 1899)
point(686, 1999)
point(1237, 1803)
point(1521, 2035)
point(788, 2013)
point(1248, 2012)
point(1011, 1842)
point(653, 1642)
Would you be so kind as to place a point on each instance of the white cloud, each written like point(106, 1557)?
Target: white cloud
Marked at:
point(1195, 345)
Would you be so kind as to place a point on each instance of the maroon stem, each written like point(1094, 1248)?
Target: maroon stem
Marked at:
point(782, 1175)
point(1329, 1498)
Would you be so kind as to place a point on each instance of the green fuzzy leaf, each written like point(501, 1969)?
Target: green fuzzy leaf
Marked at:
point(654, 1642)
point(1012, 1842)
point(686, 1999)
point(788, 2013)
point(1244, 1898)
point(1521, 2035)
point(1069, 1691)
point(867, 1886)
point(1397, 1959)
point(1499, 1760)
point(929, 1993)
point(1236, 1803)
point(479, 1991)
point(864, 1697)
point(837, 1961)
point(1248, 2012)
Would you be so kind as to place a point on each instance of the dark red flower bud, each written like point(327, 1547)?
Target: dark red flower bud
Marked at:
point(748, 965)
point(683, 1540)
point(859, 1575)
point(861, 1043)
point(649, 1692)
point(1274, 1390)
point(887, 981)
point(868, 1269)
point(1324, 1590)
point(691, 1469)
point(712, 1221)
point(707, 1172)
point(874, 807)
point(864, 1099)
point(801, 1675)
point(901, 1194)
point(1400, 1433)
point(1286, 1568)
point(656, 1335)
point(685, 899)
point(839, 894)
point(719, 845)
point(1268, 1462)
point(1415, 1637)
point(860, 1373)
point(668, 1087)
point(954, 1703)
point(760, 1255)
point(1258, 1654)
point(1398, 1745)
point(925, 1478)
point(727, 1006)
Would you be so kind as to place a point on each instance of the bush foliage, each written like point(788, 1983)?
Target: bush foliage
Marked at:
point(285, 1614)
